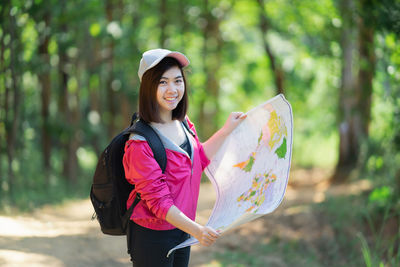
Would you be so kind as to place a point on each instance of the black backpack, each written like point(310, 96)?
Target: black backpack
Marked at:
point(110, 189)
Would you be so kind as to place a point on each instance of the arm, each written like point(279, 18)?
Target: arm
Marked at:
point(142, 170)
point(212, 145)
point(204, 234)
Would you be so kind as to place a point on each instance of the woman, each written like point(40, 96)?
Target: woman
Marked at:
point(165, 215)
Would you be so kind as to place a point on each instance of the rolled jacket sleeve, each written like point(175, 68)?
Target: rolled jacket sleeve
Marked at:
point(142, 170)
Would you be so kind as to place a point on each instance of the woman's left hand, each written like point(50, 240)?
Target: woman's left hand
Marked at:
point(214, 143)
point(234, 119)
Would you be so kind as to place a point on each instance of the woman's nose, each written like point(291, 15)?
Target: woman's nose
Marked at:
point(171, 87)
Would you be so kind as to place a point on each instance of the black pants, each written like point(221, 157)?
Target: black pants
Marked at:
point(149, 248)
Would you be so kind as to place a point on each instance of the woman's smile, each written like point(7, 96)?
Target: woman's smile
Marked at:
point(170, 98)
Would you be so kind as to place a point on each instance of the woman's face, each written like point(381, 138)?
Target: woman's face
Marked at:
point(170, 90)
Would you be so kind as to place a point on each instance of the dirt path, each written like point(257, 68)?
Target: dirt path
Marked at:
point(65, 235)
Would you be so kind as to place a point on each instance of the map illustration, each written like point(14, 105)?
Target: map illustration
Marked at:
point(256, 194)
point(273, 133)
point(251, 170)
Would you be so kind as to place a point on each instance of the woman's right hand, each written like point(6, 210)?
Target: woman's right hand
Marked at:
point(207, 236)
point(204, 234)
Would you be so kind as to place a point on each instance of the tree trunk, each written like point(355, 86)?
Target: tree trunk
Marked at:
point(355, 98)
point(202, 112)
point(126, 112)
point(63, 110)
point(136, 18)
point(92, 64)
point(163, 15)
point(184, 24)
point(397, 182)
point(3, 99)
point(74, 141)
point(212, 49)
point(64, 77)
point(347, 113)
point(396, 138)
point(367, 65)
point(12, 122)
point(44, 80)
point(63, 99)
point(109, 65)
point(276, 68)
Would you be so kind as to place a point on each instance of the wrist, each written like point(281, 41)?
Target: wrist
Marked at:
point(197, 230)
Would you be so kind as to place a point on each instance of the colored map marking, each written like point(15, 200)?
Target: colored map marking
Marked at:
point(256, 194)
point(272, 133)
point(276, 130)
point(281, 151)
point(248, 164)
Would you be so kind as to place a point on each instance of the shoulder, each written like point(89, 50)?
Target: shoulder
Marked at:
point(136, 137)
point(137, 147)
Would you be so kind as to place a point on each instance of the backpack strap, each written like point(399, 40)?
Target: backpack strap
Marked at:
point(143, 129)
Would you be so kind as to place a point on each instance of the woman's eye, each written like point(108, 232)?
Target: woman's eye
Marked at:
point(163, 82)
point(179, 81)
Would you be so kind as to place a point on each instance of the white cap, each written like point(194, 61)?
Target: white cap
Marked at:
point(152, 57)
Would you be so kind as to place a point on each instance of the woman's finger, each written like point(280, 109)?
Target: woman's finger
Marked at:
point(212, 232)
point(239, 115)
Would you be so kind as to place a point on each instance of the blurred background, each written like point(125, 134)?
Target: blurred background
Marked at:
point(68, 84)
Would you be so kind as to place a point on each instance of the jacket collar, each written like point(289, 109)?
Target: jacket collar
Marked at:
point(168, 144)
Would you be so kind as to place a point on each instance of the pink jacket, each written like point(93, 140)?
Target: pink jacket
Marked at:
point(179, 185)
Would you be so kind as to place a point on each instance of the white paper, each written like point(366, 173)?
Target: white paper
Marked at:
point(250, 171)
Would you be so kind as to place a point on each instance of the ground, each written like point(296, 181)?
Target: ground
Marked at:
point(65, 235)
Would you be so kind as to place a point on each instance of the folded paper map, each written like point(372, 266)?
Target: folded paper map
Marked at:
point(250, 171)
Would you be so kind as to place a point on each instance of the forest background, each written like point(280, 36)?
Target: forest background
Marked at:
point(68, 83)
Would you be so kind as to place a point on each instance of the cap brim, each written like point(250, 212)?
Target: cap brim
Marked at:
point(181, 58)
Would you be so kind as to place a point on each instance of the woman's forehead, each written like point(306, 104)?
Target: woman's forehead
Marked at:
point(172, 73)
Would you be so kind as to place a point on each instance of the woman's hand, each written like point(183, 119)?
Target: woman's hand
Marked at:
point(234, 119)
point(206, 236)
point(212, 145)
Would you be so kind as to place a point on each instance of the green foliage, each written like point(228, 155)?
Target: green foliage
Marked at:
point(380, 165)
point(345, 214)
point(380, 196)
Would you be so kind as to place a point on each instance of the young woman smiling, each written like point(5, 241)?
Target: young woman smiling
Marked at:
point(165, 215)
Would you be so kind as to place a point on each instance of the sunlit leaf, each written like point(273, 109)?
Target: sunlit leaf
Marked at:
point(95, 29)
point(380, 195)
